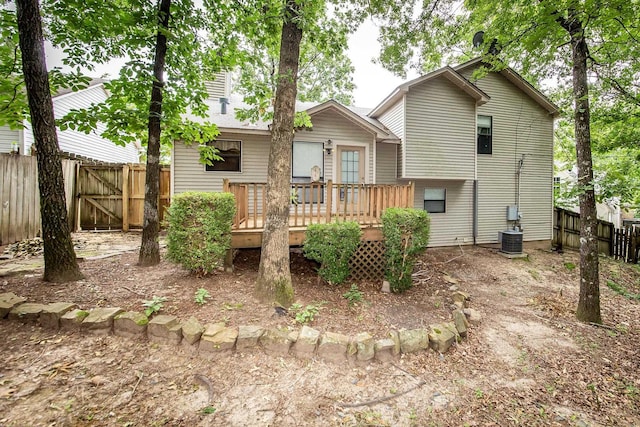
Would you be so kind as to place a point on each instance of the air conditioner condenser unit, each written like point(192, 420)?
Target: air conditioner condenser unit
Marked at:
point(511, 241)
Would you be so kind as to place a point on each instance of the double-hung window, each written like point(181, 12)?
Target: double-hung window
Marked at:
point(435, 200)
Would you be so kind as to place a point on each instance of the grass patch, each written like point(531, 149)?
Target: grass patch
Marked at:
point(535, 275)
point(569, 266)
point(621, 290)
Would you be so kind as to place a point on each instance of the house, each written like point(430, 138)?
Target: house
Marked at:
point(609, 209)
point(73, 144)
point(471, 151)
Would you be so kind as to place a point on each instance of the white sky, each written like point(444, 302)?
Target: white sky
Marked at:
point(373, 82)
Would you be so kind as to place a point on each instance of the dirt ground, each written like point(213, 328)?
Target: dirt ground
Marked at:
point(528, 363)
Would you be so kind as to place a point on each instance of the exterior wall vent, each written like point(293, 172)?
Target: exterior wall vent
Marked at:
point(511, 241)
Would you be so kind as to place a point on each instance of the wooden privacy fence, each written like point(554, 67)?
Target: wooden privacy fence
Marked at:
point(620, 243)
point(627, 244)
point(566, 232)
point(20, 197)
point(112, 197)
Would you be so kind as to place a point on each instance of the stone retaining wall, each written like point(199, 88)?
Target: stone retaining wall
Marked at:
point(211, 340)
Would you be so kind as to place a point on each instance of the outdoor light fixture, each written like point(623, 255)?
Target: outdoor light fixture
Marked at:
point(328, 145)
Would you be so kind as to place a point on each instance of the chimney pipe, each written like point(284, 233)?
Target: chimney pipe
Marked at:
point(223, 105)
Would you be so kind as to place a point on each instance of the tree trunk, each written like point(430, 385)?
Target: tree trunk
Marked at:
point(274, 275)
point(589, 302)
point(150, 248)
point(60, 264)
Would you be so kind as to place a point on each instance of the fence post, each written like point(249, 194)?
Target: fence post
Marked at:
point(562, 230)
point(125, 198)
point(611, 239)
point(78, 191)
point(634, 245)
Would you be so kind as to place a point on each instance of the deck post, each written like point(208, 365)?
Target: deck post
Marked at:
point(228, 261)
point(225, 185)
point(329, 200)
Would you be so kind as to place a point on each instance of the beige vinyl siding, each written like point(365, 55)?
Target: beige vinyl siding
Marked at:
point(386, 163)
point(190, 175)
point(440, 132)
point(90, 145)
point(457, 221)
point(520, 127)
point(7, 138)
point(331, 125)
point(394, 119)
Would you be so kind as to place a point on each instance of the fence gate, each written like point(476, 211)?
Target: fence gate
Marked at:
point(112, 197)
point(100, 197)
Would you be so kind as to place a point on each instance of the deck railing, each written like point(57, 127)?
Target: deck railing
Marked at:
point(320, 202)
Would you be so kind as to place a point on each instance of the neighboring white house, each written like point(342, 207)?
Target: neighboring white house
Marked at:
point(73, 144)
point(472, 148)
point(607, 210)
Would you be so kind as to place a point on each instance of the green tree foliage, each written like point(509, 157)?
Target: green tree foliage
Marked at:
point(563, 39)
point(332, 245)
point(126, 30)
point(199, 231)
point(324, 72)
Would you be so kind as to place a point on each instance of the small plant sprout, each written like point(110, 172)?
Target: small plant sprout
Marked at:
point(353, 295)
point(306, 315)
point(201, 296)
point(208, 410)
point(153, 305)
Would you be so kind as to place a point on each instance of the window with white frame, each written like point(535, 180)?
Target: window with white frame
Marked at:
point(485, 134)
point(435, 200)
point(231, 153)
point(306, 156)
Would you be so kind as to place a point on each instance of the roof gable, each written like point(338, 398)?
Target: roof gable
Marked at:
point(381, 133)
point(447, 72)
point(520, 82)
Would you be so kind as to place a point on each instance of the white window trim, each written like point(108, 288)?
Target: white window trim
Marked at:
point(443, 200)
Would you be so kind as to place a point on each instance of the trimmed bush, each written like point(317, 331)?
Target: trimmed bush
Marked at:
point(199, 231)
point(332, 245)
point(406, 235)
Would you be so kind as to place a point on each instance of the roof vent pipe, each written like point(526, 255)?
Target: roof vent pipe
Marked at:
point(223, 105)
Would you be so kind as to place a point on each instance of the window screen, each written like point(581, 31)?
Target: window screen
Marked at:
point(435, 200)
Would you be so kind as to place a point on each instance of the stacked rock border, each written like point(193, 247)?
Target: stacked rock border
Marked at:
point(216, 339)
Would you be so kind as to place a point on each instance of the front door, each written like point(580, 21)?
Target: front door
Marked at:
point(351, 161)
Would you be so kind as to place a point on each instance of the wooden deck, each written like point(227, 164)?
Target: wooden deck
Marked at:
point(316, 203)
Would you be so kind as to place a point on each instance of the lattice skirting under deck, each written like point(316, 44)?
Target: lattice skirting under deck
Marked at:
point(368, 262)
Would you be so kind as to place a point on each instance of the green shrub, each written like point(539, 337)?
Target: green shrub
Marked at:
point(332, 245)
point(199, 231)
point(406, 235)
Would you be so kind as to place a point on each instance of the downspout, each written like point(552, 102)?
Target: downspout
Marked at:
point(475, 211)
